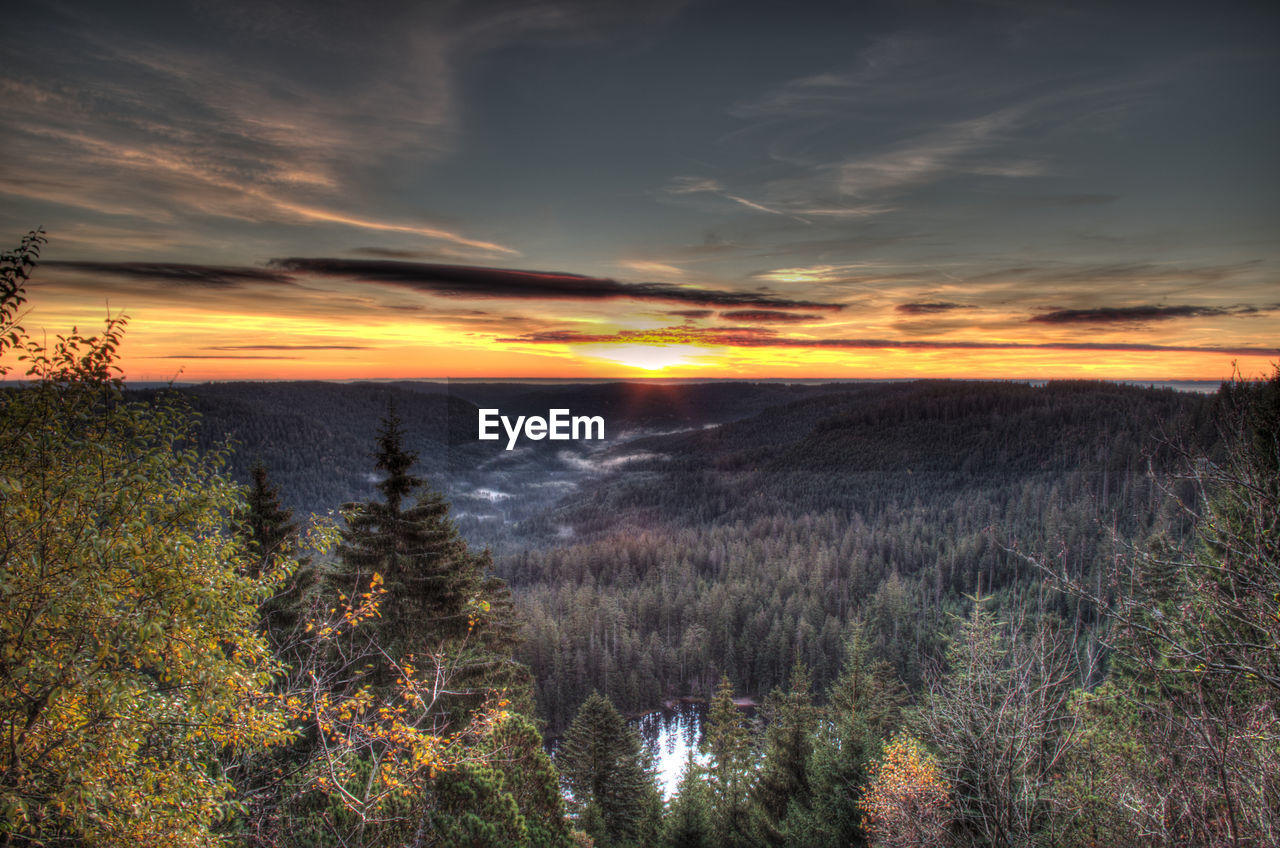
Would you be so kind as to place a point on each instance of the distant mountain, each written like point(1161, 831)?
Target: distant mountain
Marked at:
point(856, 444)
point(739, 527)
point(316, 438)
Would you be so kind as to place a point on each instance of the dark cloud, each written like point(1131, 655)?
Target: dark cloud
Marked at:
point(692, 313)
point(479, 282)
point(929, 308)
point(766, 337)
point(211, 276)
point(1139, 314)
point(765, 316)
point(393, 253)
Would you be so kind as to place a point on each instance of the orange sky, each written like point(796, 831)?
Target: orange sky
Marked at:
point(333, 330)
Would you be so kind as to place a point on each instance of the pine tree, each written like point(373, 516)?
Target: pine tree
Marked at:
point(271, 535)
point(610, 780)
point(438, 596)
point(790, 718)
point(515, 748)
point(728, 739)
point(863, 707)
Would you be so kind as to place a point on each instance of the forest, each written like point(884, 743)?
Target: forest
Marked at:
point(966, 613)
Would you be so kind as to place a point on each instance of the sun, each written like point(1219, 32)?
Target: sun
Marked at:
point(649, 358)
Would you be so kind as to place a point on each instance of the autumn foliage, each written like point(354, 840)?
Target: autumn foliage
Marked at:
point(906, 803)
point(141, 700)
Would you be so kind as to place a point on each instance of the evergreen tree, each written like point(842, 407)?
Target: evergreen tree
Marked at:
point(687, 823)
point(269, 528)
point(271, 535)
point(515, 749)
point(429, 575)
point(728, 739)
point(783, 782)
point(610, 779)
point(438, 596)
point(863, 707)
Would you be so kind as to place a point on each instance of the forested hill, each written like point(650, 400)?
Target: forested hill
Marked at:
point(738, 528)
point(864, 443)
point(316, 438)
point(746, 547)
point(950, 426)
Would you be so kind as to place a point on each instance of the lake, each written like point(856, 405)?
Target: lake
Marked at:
point(671, 734)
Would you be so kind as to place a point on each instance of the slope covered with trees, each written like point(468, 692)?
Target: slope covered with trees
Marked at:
point(969, 614)
point(743, 548)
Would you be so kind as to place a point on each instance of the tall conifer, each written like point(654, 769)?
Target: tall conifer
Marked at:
point(609, 777)
point(271, 535)
point(438, 597)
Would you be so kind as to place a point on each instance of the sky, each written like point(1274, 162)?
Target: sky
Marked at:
point(273, 190)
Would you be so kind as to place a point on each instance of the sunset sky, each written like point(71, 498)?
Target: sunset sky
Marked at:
point(680, 189)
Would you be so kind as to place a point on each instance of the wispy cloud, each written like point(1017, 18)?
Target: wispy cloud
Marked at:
point(647, 266)
point(117, 123)
point(925, 158)
point(783, 199)
point(761, 337)
point(289, 347)
point(218, 356)
point(315, 214)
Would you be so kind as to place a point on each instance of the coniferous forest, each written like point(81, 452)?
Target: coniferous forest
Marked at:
point(919, 613)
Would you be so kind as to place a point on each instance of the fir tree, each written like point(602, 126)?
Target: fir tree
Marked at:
point(687, 823)
point(728, 739)
point(438, 595)
point(609, 778)
point(271, 535)
point(784, 777)
point(863, 708)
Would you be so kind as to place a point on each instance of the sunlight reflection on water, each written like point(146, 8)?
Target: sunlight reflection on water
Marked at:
point(671, 734)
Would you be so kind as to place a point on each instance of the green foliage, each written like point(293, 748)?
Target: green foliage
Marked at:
point(129, 656)
point(1184, 746)
point(471, 808)
point(609, 777)
point(783, 779)
point(687, 823)
point(863, 709)
point(272, 538)
point(139, 702)
point(727, 738)
point(439, 600)
point(515, 749)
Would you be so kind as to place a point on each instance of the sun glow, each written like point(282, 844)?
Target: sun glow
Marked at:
point(650, 358)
